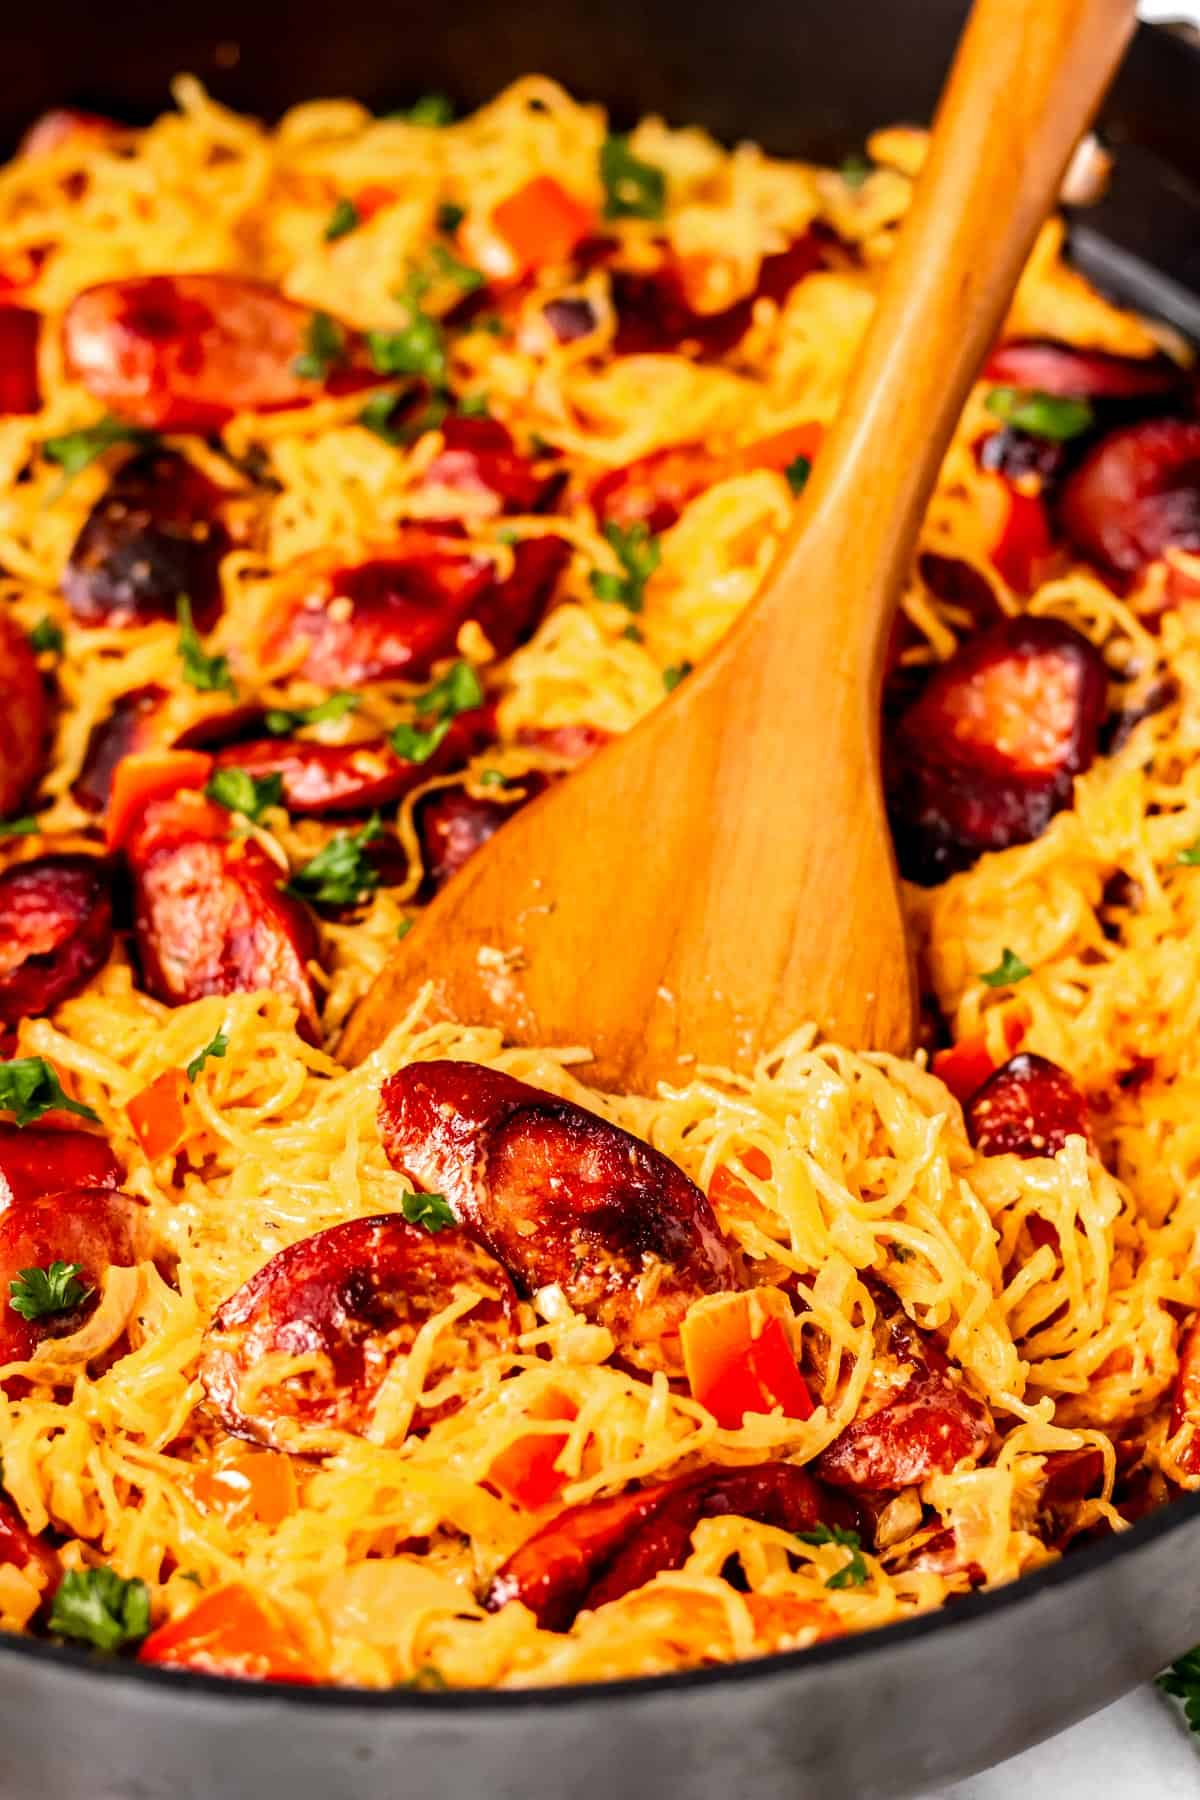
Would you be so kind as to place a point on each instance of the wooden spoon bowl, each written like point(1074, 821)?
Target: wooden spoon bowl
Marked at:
point(724, 872)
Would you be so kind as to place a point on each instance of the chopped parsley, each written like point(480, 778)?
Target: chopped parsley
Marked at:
point(797, 473)
point(855, 169)
point(240, 792)
point(344, 219)
point(404, 927)
point(675, 674)
point(1182, 1682)
point(1007, 972)
point(449, 268)
point(207, 674)
point(29, 1087)
point(377, 414)
point(74, 451)
point(427, 1679)
point(418, 348)
point(25, 827)
point(632, 633)
point(427, 1210)
point(638, 554)
point(430, 109)
point(39, 1293)
point(100, 1607)
point(633, 189)
point(342, 873)
point(436, 710)
point(473, 406)
point(450, 217)
point(324, 348)
point(493, 778)
point(46, 635)
point(216, 1046)
point(1191, 856)
point(853, 1572)
point(281, 722)
point(1055, 417)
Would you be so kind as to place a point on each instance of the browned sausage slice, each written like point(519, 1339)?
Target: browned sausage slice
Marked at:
point(187, 352)
point(928, 1425)
point(453, 825)
point(1029, 1107)
point(97, 1228)
point(558, 1194)
point(43, 1159)
point(24, 718)
point(20, 328)
point(594, 1553)
point(209, 914)
point(131, 725)
point(156, 534)
point(355, 1296)
point(1135, 495)
point(56, 931)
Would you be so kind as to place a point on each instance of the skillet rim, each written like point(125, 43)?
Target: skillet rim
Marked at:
point(778, 1666)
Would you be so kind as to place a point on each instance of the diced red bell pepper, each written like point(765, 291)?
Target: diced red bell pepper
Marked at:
point(1026, 544)
point(228, 1633)
point(965, 1066)
point(525, 1471)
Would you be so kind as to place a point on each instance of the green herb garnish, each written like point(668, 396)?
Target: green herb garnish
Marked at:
point(855, 169)
point(473, 406)
point(281, 722)
point(1191, 856)
point(675, 674)
point(29, 1087)
point(427, 1679)
point(430, 109)
point(638, 554)
point(377, 413)
point(324, 348)
point(207, 674)
point(1056, 417)
point(342, 873)
point(1007, 972)
point(216, 1046)
point(449, 268)
point(436, 709)
point(26, 827)
point(240, 792)
point(450, 217)
point(100, 1607)
point(404, 927)
point(73, 451)
point(418, 348)
point(797, 473)
point(1182, 1682)
point(633, 189)
point(46, 635)
point(854, 1572)
point(344, 219)
point(493, 778)
point(39, 1293)
point(427, 1210)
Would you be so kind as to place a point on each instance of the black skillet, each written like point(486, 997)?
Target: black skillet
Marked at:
point(889, 1713)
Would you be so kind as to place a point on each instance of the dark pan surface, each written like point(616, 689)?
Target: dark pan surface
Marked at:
point(888, 1713)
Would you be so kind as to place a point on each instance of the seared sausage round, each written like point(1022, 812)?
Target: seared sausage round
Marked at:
point(97, 1228)
point(356, 1296)
point(56, 931)
point(1029, 1107)
point(46, 1159)
point(558, 1194)
point(24, 718)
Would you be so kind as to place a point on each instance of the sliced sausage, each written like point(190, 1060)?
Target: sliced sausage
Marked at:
point(1046, 367)
point(97, 1228)
point(574, 743)
point(401, 614)
point(1029, 1107)
point(19, 389)
point(24, 718)
point(989, 750)
point(56, 931)
point(157, 533)
point(355, 1296)
point(928, 1426)
point(1135, 495)
point(209, 913)
point(653, 314)
point(132, 725)
point(187, 352)
point(355, 778)
point(558, 1194)
point(45, 1159)
point(594, 1553)
point(479, 459)
point(654, 490)
point(452, 825)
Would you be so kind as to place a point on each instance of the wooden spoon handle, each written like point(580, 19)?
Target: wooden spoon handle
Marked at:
point(1025, 84)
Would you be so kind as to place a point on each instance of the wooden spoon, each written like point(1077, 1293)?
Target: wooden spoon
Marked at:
point(724, 872)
